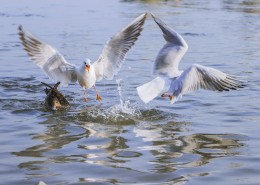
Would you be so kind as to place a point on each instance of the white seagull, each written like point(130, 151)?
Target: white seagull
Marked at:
point(108, 64)
point(172, 82)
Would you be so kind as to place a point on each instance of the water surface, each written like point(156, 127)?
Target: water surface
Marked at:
point(205, 138)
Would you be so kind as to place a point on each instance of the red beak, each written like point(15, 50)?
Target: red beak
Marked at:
point(87, 67)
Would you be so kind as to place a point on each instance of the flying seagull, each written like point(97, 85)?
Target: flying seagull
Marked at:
point(172, 82)
point(105, 67)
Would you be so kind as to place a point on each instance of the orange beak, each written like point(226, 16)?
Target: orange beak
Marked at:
point(87, 67)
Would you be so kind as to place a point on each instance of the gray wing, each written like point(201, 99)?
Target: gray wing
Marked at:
point(168, 58)
point(47, 58)
point(202, 77)
point(113, 54)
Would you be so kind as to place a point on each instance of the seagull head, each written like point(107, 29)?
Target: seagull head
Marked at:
point(87, 64)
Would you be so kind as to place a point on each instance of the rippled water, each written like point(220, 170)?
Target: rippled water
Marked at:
point(205, 138)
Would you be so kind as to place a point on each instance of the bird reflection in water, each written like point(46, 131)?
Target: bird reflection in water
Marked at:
point(159, 148)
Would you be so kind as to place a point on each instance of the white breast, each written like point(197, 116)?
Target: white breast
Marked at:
point(86, 78)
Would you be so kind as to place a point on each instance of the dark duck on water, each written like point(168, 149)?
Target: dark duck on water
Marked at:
point(54, 99)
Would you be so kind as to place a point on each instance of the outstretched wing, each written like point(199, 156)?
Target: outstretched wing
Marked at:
point(168, 58)
point(202, 77)
point(113, 54)
point(47, 58)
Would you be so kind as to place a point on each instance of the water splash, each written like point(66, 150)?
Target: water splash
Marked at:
point(125, 112)
point(124, 107)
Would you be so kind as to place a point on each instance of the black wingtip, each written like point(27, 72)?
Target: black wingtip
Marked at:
point(160, 23)
point(20, 28)
point(144, 14)
point(156, 19)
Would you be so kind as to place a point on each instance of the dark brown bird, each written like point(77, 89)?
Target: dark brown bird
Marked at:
point(54, 99)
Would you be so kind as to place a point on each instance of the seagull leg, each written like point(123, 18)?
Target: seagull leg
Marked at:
point(98, 96)
point(85, 95)
point(167, 95)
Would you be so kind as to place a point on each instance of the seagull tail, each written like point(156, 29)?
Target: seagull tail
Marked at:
point(152, 89)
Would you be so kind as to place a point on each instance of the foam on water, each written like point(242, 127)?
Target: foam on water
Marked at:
point(125, 112)
point(124, 107)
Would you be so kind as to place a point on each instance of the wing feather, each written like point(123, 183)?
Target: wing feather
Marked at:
point(47, 58)
point(169, 57)
point(200, 77)
point(113, 54)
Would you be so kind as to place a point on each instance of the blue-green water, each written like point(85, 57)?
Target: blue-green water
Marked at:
point(205, 138)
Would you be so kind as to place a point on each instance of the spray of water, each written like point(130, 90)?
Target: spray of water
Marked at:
point(124, 107)
point(121, 112)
